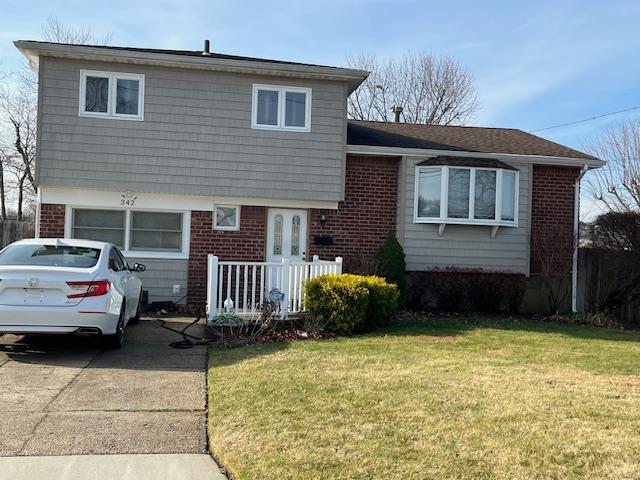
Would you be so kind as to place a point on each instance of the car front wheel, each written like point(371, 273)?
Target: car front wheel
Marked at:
point(114, 342)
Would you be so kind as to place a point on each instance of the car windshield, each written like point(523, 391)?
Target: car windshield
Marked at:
point(50, 256)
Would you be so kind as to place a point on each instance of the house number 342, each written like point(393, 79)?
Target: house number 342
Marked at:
point(128, 199)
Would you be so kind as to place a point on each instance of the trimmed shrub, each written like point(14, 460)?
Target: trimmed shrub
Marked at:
point(351, 303)
point(392, 265)
point(461, 290)
point(383, 302)
point(341, 299)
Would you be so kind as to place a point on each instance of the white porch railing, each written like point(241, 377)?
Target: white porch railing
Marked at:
point(243, 286)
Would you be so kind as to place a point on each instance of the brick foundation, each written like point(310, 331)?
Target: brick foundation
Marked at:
point(52, 220)
point(247, 244)
point(552, 217)
point(366, 215)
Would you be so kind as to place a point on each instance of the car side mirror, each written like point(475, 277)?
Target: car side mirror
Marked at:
point(138, 267)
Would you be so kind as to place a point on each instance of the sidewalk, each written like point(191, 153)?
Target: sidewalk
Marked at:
point(111, 467)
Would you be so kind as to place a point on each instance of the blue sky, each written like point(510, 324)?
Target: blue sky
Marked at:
point(535, 64)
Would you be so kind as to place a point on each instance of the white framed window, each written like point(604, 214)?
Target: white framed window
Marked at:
point(155, 231)
point(103, 225)
point(226, 217)
point(466, 195)
point(138, 233)
point(111, 94)
point(281, 108)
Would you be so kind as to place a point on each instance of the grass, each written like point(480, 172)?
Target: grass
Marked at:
point(436, 398)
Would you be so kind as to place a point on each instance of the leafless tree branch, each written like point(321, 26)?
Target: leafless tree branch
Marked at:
point(430, 89)
point(617, 185)
point(56, 31)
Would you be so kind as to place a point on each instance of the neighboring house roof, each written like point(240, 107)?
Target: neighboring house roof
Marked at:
point(454, 138)
point(187, 58)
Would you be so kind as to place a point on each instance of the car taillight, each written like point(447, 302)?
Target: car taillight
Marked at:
point(89, 289)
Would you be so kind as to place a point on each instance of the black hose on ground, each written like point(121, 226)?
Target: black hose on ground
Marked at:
point(188, 340)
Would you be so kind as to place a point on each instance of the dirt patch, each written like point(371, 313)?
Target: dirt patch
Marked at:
point(627, 380)
point(500, 353)
point(435, 339)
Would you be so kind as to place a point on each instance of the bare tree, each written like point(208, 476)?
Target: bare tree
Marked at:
point(3, 195)
point(616, 186)
point(56, 31)
point(430, 89)
point(18, 104)
point(18, 122)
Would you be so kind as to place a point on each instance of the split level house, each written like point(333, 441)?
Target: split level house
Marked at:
point(173, 155)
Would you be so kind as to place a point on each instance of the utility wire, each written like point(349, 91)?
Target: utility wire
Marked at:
point(585, 120)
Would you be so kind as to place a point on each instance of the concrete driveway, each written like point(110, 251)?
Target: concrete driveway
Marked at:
point(66, 396)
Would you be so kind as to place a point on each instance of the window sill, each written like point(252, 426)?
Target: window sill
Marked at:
point(280, 129)
point(453, 221)
point(158, 255)
point(139, 118)
point(226, 229)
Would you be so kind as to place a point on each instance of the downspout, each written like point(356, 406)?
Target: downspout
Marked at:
point(576, 239)
point(36, 232)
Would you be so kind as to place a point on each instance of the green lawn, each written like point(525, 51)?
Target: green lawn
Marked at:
point(437, 398)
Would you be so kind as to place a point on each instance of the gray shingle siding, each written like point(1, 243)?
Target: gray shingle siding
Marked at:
point(160, 277)
point(196, 137)
point(463, 246)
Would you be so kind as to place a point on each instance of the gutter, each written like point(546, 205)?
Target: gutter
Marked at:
point(507, 157)
point(576, 234)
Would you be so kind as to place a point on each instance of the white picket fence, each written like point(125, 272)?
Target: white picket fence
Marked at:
point(241, 287)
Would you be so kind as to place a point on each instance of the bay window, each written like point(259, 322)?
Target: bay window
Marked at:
point(135, 232)
point(466, 195)
point(429, 184)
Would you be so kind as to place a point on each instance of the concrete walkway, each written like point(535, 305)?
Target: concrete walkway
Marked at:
point(111, 467)
point(67, 397)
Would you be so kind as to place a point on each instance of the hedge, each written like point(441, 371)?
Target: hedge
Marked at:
point(455, 289)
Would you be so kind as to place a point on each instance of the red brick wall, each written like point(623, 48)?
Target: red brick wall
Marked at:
point(552, 217)
point(52, 220)
point(247, 244)
point(366, 215)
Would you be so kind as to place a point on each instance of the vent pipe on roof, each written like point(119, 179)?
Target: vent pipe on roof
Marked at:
point(206, 51)
point(396, 113)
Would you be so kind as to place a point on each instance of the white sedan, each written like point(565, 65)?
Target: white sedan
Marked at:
point(68, 286)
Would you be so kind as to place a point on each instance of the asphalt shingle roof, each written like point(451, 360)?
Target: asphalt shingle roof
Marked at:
point(461, 139)
point(186, 53)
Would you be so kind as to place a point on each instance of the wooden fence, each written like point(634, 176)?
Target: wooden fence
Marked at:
point(12, 230)
point(598, 272)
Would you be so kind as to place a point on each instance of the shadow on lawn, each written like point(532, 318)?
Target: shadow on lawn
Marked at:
point(223, 357)
point(458, 325)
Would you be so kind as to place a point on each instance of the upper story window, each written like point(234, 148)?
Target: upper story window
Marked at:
point(466, 195)
point(281, 108)
point(111, 94)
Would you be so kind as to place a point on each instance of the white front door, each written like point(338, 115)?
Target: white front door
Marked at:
point(286, 234)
